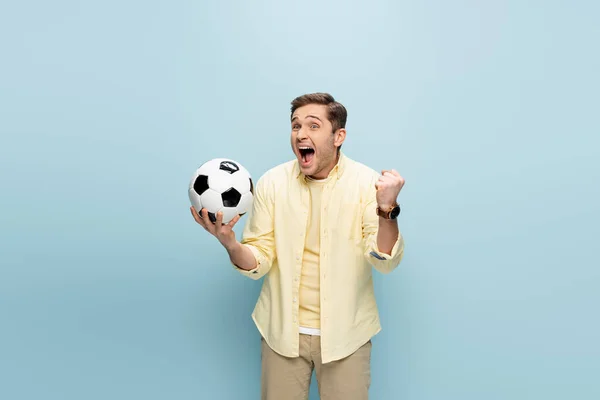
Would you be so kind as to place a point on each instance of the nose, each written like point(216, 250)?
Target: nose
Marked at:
point(301, 135)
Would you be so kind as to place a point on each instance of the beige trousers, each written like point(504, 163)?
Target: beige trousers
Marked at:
point(286, 378)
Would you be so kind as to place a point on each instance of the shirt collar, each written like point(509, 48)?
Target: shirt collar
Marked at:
point(335, 173)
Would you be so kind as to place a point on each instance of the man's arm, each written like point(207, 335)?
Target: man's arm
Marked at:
point(241, 256)
point(387, 235)
point(384, 244)
point(258, 236)
point(253, 256)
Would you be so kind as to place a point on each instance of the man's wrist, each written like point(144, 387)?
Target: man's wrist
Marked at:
point(388, 220)
point(233, 247)
point(390, 211)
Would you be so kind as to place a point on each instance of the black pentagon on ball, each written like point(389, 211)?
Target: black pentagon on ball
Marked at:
point(201, 184)
point(231, 197)
point(251, 186)
point(229, 166)
point(212, 217)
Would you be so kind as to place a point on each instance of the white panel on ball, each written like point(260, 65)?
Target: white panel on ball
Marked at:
point(210, 167)
point(245, 203)
point(211, 200)
point(241, 182)
point(220, 181)
point(228, 214)
point(195, 200)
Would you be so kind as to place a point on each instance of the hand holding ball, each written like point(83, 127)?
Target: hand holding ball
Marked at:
point(221, 186)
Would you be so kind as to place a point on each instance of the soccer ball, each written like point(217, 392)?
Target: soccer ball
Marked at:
point(221, 185)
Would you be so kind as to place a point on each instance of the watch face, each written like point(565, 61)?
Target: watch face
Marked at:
point(395, 212)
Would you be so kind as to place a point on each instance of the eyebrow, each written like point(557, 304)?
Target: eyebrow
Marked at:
point(308, 116)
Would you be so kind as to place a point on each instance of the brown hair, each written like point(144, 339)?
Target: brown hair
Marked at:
point(336, 112)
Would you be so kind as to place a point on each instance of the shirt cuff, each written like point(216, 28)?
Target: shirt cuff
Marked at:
point(260, 261)
point(379, 255)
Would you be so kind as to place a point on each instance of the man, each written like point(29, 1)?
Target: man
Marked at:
point(318, 225)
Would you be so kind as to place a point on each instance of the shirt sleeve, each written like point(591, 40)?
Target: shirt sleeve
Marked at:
point(258, 233)
point(382, 262)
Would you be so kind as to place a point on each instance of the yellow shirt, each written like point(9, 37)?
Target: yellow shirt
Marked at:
point(275, 232)
point(310, 302)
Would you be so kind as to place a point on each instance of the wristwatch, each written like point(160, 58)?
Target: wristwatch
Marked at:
point(391, 213)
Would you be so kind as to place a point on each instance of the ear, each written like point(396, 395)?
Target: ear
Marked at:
point(339, 136)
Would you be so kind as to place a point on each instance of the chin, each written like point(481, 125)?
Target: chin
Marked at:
point(311, 170)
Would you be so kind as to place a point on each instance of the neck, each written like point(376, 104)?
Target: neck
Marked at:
point(324, 173)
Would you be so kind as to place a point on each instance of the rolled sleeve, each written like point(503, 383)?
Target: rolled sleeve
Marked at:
point(258, 235)
point(262, 264)
point(383, 262)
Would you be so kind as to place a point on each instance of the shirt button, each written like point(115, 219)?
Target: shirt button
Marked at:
point(294, 299)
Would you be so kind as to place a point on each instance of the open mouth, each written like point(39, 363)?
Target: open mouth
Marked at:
point(307, 154)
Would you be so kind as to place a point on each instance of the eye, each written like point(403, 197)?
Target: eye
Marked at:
point(296, 126)
point(314, 126)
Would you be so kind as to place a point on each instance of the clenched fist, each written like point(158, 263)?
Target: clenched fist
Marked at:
point(388, 188)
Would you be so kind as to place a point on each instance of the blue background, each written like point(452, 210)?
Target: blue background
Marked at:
point(109, 290)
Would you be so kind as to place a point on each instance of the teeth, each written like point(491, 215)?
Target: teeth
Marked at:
point(305, 148)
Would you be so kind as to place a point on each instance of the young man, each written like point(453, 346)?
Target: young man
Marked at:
point(318, 225)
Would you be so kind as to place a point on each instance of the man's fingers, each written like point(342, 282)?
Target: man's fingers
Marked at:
point(385, 179)
point(391, 176)
point(195, 215)
point(234, 220)
point(206, 222)
point(219, 221)
point(202, 219)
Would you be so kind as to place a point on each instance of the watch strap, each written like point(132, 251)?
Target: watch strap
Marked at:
point(387, 214)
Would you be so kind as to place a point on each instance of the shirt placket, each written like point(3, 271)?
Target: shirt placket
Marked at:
point(299, 250)
point(324, 254)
